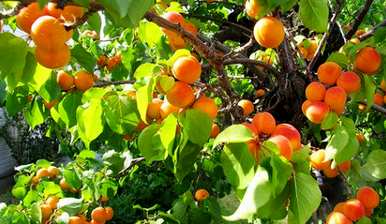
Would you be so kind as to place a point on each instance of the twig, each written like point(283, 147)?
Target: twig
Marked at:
point(372, 31)
point(376, 107)
point(110, 83)
point(358, 19)
point(238, 26)
point(247, 61)
point(133, 162)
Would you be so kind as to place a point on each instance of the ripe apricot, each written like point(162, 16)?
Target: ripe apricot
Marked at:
point(283, 144)
point(383, 85)
point(206, 105)
point(349, 81)
point(305, 105)
point(35, 180)
point(362, 107)
point(264, 122)
point(378, 99)
point(291, 133)
point(336, 98)
point(174, 17)
point(354, 209)
point(109, 213)
point(27, 16)
point(269, 32)
point(43, 172)
point(153, 109)
point(317, 111)
point(201, 194)
point(345, 166)
point(96, 222)
point(71, 13)
point(329, 172)
point(215, 130)
point(99, 214)
point(368, 197)
point(317, 160)
point(65, 80)
point(254, 148)
point(46, 211)
point(187, 69)
point(360, 137)
point(180, 95)
point(359, 32)
point(167, 108)
point(337, 218)
point(114, 62)
point(190, 27)
point(53, 171)
point(368, 60)
point(339, 207)
point(47, 32)
point(52, 201)
point(175, 40)
point(247, 107)
point(50, 104)
point(102, 60)
point(75, 220)
point(315, 91)
point(51, 9)
point(56, 58)
point(369, 212)
point(312, 49)
point(252, 8)
point(252, 128)
point(260, 92)
point(83, 80)
point(329, 72)
point(64, 185)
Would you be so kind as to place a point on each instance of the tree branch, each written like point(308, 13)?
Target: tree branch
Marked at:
point(113, 83)
point(358, 19)
point(372, 31)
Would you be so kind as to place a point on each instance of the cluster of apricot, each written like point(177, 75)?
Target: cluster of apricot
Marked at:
point(268, 30)
point(380, 96)
point(354, 209)
point(51, 172)
point(101, 215)
point(285, 136)
point(307, 48)
point(320, 100)
point(318, 161)
point(46, 27)
point(82, 80)
point(176, 41)
point(109, 63)
point(48, 207)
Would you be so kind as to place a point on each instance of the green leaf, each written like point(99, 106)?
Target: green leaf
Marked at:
point(40, 77)
point(339, 58)
point(184, 159)
point(150, 33)
point(330, 121)
point(94, 94)
point(276, 207)
point(197, 132)
point(369, 90)
point(120, 113)
point(314, 14)
point(31, 197)
point(50, 90)
point(150, 146)
point(179, 53)
point(144, 96)
point(375, 164)
point(87, 130)
point(16, 100)
point(349, 151)
point(70, 205)
point(305, 198)
point(168, 132)
point(145, 69)
point(337, 143)
point(84, 58)
point(36, 213)
point(34, 114)
point(258, 193)
point(72, 178)
point(238, 165)
point(94, 20)
point(281, 172)
point(234, 134)
point(67, 108)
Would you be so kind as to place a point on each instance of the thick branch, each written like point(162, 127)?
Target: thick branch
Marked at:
point(359, 18)
point(372, 31)
point(247, 61)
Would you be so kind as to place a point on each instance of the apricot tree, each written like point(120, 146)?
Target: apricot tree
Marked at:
point(274, 105)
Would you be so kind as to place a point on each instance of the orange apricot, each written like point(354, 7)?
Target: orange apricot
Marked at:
point(329, 172)
point(305, 105)
point(109, 213)
point(354, 209)
point(260, 92)
point(317, 111)
point(206, 105)
point(83, 80)
point(336, 98)
point(369, 212)
point(71, 13)
point(64, 185)
point(65, 80)
point(46, 211)
point(53, 171)
point(252, 8)
point(75, 220)
point(153, 109)
point(383, 85)
point(50, 104)
point(291, 133)
point(337, 218)
point(52, 201)
point(311, 49)
point(359, 32)
point(201, 194)
point(215, 130)
point(180, 95)
point(283, 144)
point(329, 72)
point(368, 197)
point(345, 166)
point(360, 137)
point(113, 62)
point(264, 122)
point(317, 160)
point(51, 9)
point(254, 148)
point(102, 60)
point(339, 207)
point(349, 81)
point(99, 214)
point(315, 91)
point(167, 108)
point(56, 58)
point(247, 107)
point(174, 17)
point(368, 60)
point(378, 99)
point(43, 172)
point(187, 69)
point(47, 32)
point(190, 27)
point(27, 16)
point(269, 32)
